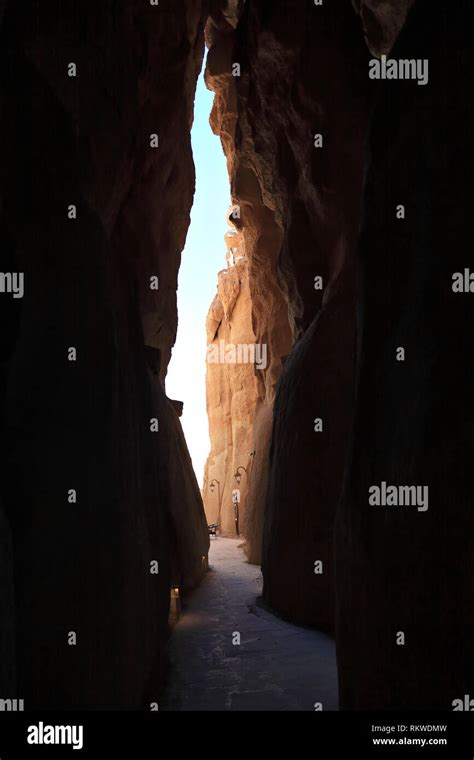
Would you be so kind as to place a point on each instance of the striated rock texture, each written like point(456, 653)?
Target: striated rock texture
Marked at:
point(84, 566)
point(303, 72)
point(399, 569)
point(231, 390)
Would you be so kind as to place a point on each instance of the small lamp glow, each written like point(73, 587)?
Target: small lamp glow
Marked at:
point(175, 604)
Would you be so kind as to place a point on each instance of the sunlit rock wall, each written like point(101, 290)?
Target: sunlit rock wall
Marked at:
point(255, 214)
point(231, 389)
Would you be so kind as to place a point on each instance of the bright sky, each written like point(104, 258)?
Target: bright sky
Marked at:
point(203, 257)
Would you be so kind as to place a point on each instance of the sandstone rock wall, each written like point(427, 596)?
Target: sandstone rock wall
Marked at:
point(231, 391)
point(255, 215)
point(84, 567)
point(303, 72)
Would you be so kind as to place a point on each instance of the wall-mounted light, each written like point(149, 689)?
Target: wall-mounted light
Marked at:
point(212, 486)
point(238, 475)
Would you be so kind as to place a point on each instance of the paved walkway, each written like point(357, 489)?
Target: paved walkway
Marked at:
point(277, 666)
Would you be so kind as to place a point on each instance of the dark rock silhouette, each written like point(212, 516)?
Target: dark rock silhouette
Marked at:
point(399, 569)
point(85, 425)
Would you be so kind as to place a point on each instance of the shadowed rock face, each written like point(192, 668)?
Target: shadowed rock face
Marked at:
point(85, 425)
point(312, 199)
point(409, 571)
point(382, 21)
point(398, 569)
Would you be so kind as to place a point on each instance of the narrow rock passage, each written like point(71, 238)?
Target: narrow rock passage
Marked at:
point(277, 666)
